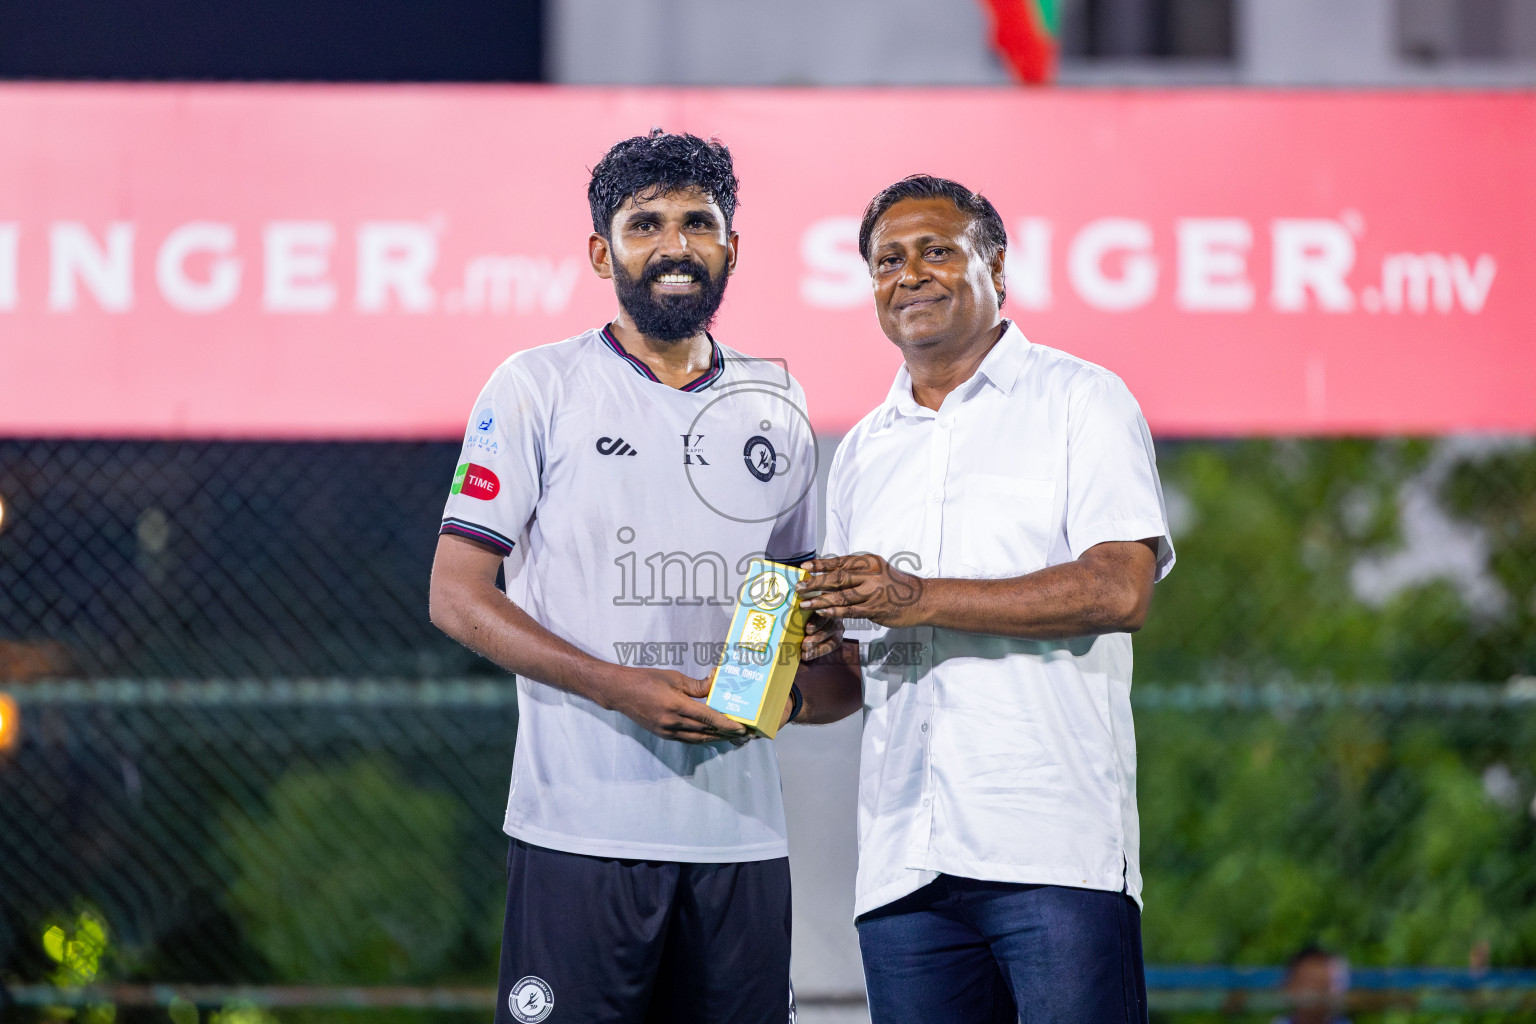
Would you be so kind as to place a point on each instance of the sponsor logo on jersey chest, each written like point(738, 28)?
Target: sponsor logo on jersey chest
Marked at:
point(614, 446)
point(693, 450)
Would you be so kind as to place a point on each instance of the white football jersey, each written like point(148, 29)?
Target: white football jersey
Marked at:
point(628, 511)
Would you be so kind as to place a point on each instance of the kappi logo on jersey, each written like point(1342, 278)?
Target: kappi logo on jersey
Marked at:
point(614, 446)
point(763, 423)
point(475, 481)
point(693, 451)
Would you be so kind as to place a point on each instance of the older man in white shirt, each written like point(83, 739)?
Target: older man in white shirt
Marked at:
point(1001, 526)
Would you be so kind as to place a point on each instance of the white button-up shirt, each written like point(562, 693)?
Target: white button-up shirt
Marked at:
point(988, 757)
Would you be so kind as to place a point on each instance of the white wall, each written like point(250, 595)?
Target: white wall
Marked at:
point(944, 42)
point(1286, 42)
point(1354, 42)
point(786, 42)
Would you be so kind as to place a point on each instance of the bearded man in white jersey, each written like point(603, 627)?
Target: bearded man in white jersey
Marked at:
point(623, 479)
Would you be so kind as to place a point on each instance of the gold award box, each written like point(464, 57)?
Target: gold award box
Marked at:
point(762, 649)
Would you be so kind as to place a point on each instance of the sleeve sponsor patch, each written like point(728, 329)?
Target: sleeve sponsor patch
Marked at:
point(483, 431)
point(475, 482)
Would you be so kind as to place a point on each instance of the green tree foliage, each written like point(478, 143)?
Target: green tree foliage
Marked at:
point(350, 878)
point(1374, 833)
point(1379, 835)
point(1396, 838)
point(80, 948)
point(1269, 534)
point(1498, 494)
point(241, 1013)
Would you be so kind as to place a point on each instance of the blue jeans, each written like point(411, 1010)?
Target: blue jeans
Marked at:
point(962, 951)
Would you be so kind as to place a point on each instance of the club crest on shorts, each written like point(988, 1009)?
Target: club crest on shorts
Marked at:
point(531, 999)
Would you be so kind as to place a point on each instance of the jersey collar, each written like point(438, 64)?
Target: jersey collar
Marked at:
point(704, 380)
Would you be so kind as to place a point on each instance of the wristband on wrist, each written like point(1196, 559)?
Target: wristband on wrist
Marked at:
point(797, 701)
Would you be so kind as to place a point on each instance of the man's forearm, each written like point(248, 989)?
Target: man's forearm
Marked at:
point(483, 619)
point(831, 686)
point(1073, 599)
point(466, 605)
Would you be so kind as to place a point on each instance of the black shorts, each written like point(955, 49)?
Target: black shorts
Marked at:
point(596, 939)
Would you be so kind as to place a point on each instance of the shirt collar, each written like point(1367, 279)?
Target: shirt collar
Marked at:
point(699, 383)
point(1003, 364)
point(1000, 368)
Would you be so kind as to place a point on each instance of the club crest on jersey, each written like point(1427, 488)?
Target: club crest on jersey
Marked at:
point(475, 481)
point(531, 999)
point(762, 461)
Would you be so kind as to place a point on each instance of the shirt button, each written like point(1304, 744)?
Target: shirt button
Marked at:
point(935, 497)
point(924, 727)
point(926, 801)
point(943, 424)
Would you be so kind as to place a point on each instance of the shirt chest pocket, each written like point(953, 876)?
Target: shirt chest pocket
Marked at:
point(1006, 525)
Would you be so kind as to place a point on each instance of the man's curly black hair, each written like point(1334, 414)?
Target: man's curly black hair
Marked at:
point(648, 166)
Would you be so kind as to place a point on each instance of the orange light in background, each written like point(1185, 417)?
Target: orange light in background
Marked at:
point(10, 722)
point(2, 513)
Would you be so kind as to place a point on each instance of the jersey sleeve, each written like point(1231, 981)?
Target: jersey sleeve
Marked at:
point(496, 484)
point(793, 537)
point(835, 541)
point(1113, 493)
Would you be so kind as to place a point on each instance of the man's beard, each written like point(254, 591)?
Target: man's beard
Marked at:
point(670, 317)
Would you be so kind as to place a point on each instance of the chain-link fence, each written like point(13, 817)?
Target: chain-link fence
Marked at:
point(221, 560)
point(1362, 560)
point(342, 833)
point(1356, 560)
point(323, 833)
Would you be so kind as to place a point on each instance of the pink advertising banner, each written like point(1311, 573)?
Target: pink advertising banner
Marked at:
point(351, 262)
